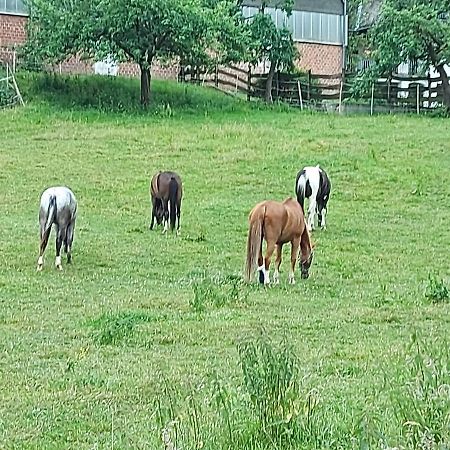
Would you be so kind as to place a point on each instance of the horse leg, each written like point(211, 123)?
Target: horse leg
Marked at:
point(323, 215)
point(261, 270)
point(152, 222)
point(269, 251)
point(276, 274)
point(166, 215)
point(295, 245)
point(178, 216)
point(68, 241)
point(43, 245)
point(60, 238)
point(311, 212)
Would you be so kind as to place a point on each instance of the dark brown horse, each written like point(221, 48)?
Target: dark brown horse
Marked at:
point(277, 223)
point(166, 192)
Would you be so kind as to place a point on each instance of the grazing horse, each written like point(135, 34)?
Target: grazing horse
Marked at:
point(59, 207)
point(277, 223)
point(313, 183)
point(166, 192)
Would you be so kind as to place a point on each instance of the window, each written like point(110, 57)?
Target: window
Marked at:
point(305, 25)
point(13, 7)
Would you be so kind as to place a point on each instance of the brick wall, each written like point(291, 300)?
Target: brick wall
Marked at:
point(12, 30)
point(321, 59)
point(13, 34)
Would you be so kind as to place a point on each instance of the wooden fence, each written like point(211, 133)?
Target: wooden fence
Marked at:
point(326, 92)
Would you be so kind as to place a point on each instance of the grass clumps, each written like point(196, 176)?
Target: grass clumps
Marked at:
point(437, 291)
point(113, 329)
point(217, 292)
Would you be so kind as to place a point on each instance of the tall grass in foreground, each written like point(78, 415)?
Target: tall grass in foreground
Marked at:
point(272, 409)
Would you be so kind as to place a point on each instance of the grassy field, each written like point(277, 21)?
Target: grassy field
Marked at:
point(145, 332)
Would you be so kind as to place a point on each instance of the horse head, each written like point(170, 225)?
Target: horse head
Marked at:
point(159, 212)
point(306, 264)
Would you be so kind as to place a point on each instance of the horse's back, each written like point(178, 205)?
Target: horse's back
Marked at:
point(64, 197)
point(159, 185)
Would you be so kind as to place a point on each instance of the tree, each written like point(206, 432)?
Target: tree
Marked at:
point(139, 30)
point(413, 29)
point(267, 42)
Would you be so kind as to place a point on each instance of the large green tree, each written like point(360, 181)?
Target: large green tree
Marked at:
point(413, 29)
point(138, 30)
point(267, 42)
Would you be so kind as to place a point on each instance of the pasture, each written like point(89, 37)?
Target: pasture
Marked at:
point(146, 331)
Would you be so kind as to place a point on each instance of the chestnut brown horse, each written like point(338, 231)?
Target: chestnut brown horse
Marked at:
point(166, 191)
point(277, 223)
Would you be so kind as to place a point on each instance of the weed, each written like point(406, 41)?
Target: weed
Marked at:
point(111, 329)
point(437, 291)
point(217, 292)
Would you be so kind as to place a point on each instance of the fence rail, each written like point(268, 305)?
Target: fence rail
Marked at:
point(327, 91)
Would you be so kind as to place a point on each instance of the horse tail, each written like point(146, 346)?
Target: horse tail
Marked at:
point(173, 194)
point(300, 188)
point(51, 214)
point(254, 240)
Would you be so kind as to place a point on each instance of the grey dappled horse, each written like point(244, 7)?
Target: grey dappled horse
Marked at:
point(58, 207)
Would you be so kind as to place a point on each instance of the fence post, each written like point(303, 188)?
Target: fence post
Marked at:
point(389, 90)
point(309, 85)
point(14, 62)
point(278, 85)
point(418, 98)
point(300, 98)
point(249, 82)
point(371, 99)
point(340, 96)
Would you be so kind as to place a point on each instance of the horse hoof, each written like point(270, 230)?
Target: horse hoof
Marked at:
point(39, 268)
point(291, 280)
point(59, 267)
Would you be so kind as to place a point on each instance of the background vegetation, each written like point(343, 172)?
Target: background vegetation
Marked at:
point(148, 340)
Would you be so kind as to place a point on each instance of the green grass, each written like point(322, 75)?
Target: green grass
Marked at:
point(145, 331)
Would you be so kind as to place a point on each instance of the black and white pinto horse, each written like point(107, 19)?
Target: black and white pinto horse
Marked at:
point(58, 207)
point(313, 183)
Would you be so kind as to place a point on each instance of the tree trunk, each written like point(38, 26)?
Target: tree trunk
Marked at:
point(443, 74)
point(445, 85)
point(145, 85)
point(269, 82)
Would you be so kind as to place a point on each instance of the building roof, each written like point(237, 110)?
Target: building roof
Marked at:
point(322, 6)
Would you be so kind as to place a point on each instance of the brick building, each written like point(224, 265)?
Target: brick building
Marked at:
point(319, 29)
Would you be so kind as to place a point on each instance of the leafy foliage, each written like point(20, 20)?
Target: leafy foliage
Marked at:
point(267, 42)
point(413, 29)
point(140, 31)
